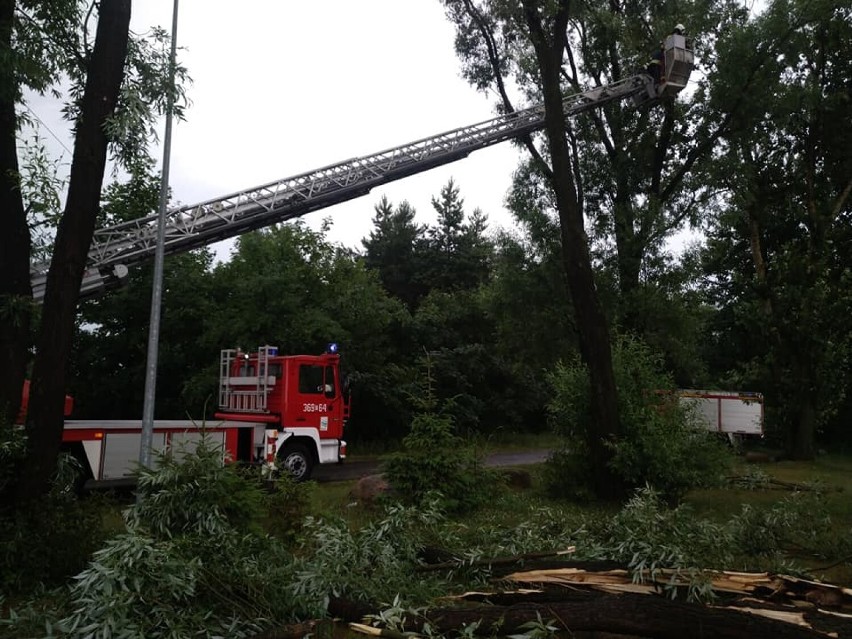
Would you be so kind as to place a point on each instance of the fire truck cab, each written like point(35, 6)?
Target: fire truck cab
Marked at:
point(301, 400)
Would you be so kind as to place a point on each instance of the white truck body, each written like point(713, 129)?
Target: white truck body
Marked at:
point(110, 448)
point(729, 412)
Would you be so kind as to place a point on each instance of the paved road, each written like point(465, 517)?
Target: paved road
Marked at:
point(356, 469)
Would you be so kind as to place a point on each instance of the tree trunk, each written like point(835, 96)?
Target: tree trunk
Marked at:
point(634, 615)
point(801, 442)
point(591, 321)
point(73, 238)
point(15, 291)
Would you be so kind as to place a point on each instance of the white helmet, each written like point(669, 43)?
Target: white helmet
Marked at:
point(679, 28)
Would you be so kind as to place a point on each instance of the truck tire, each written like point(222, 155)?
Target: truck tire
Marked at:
point(296, 460)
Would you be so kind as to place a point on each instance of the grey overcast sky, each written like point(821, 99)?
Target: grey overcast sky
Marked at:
point(284, 87)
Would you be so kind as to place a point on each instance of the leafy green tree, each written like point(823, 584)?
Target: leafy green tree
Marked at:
point(391, 250)
point(435, 462)
point(638, 166)
point(777, 256)
point(438, 270)
point(288, 286)
point(675, 316)
point(108, 363)
point(466, 368)
point(455, 254)
point(98, 88)
point(527, 309)
point(41, 43)
point(633, 167)
point(485, 33)
point(110, 349)
point(31, 55)
point(662, 446)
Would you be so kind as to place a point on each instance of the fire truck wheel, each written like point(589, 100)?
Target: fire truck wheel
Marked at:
point(296, 460)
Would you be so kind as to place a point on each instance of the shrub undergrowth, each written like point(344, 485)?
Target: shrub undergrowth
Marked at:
point(194, 559)
point(435, 462)
point(43, 543)
point(661, 443)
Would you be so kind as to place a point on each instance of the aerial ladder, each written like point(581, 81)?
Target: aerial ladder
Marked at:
point(116, 248)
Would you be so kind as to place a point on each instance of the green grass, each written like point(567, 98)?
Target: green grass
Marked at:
point(830, 474)
point(833, 473)
point(504, 442)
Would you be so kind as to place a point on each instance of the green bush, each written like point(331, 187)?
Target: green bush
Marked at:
point(434, 460)
point(286, 504)
point(195, 493)
point(195, 560)
point(44, 542)
point(13, 449)
point(662, 445)
point(566, 474)
point(374, 562)
point(49, 541)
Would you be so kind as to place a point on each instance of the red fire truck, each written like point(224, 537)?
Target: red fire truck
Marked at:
point(288, 412)
point(300, 401)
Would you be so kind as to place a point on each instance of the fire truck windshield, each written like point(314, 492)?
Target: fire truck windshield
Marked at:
point(316, 379)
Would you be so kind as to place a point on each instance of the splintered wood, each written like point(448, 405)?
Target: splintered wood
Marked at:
point(765, 586)
point(823, 609)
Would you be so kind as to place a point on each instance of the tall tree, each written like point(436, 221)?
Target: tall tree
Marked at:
point(455, 253)
point(639, 165)
point(390, 249)
point(540, 33)
point(634, 167)
point(104, 76)
point(15, 290)
point(31, 50)
point(779, 252)
point(548, 36)
point(110, 104)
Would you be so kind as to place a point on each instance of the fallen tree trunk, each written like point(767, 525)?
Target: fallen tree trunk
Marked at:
point(637, 615)
point(574, 599)
point(762, 585)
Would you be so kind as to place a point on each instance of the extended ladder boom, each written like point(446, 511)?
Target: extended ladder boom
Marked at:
point(114, 248)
